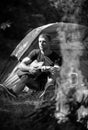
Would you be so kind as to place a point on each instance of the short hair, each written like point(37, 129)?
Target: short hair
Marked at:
point(45, 35)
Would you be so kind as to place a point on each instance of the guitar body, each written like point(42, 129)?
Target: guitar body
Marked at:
point(36, 64)
point(36, 80)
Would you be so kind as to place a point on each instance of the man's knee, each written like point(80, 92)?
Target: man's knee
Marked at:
point(50, 81)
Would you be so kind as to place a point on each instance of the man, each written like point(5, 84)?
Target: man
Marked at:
point(37, 70)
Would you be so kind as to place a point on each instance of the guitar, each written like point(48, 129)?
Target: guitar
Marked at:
point(40, 65)
point(35, 68)
point(35, 76)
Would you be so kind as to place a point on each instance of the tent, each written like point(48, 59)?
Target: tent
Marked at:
point(9, 76)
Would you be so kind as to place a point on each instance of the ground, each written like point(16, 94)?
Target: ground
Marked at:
point(29, 112)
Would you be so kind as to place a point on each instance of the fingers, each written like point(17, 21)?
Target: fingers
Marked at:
point(45, 68)
point(53, 70)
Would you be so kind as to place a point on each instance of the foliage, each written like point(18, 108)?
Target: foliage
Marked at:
point(19, 16)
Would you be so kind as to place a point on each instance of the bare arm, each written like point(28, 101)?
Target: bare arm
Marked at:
point(31, 67)
point(23, 66)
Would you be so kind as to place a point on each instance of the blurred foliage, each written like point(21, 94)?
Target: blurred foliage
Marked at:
point(17, 17)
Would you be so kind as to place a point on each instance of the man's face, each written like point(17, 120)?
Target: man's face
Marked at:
point(43, 43)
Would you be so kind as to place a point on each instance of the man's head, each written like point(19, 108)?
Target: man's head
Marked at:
point(44, 42)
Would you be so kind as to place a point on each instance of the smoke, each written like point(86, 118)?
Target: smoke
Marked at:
point(70, 38)
point(70, 43)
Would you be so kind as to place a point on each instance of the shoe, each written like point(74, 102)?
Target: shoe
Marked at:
point(9, 91)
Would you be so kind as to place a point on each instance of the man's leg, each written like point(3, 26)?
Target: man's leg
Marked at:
point(50, 82)
point(26, 80)
point(21, 84)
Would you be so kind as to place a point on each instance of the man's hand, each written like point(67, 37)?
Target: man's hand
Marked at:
point(55, 69)
point(51, 69)
point(45, 68)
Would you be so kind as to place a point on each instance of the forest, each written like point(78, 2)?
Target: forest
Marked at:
point(17, 19)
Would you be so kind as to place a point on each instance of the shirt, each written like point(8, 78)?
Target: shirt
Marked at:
point(50, 60)
point(53, 58)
